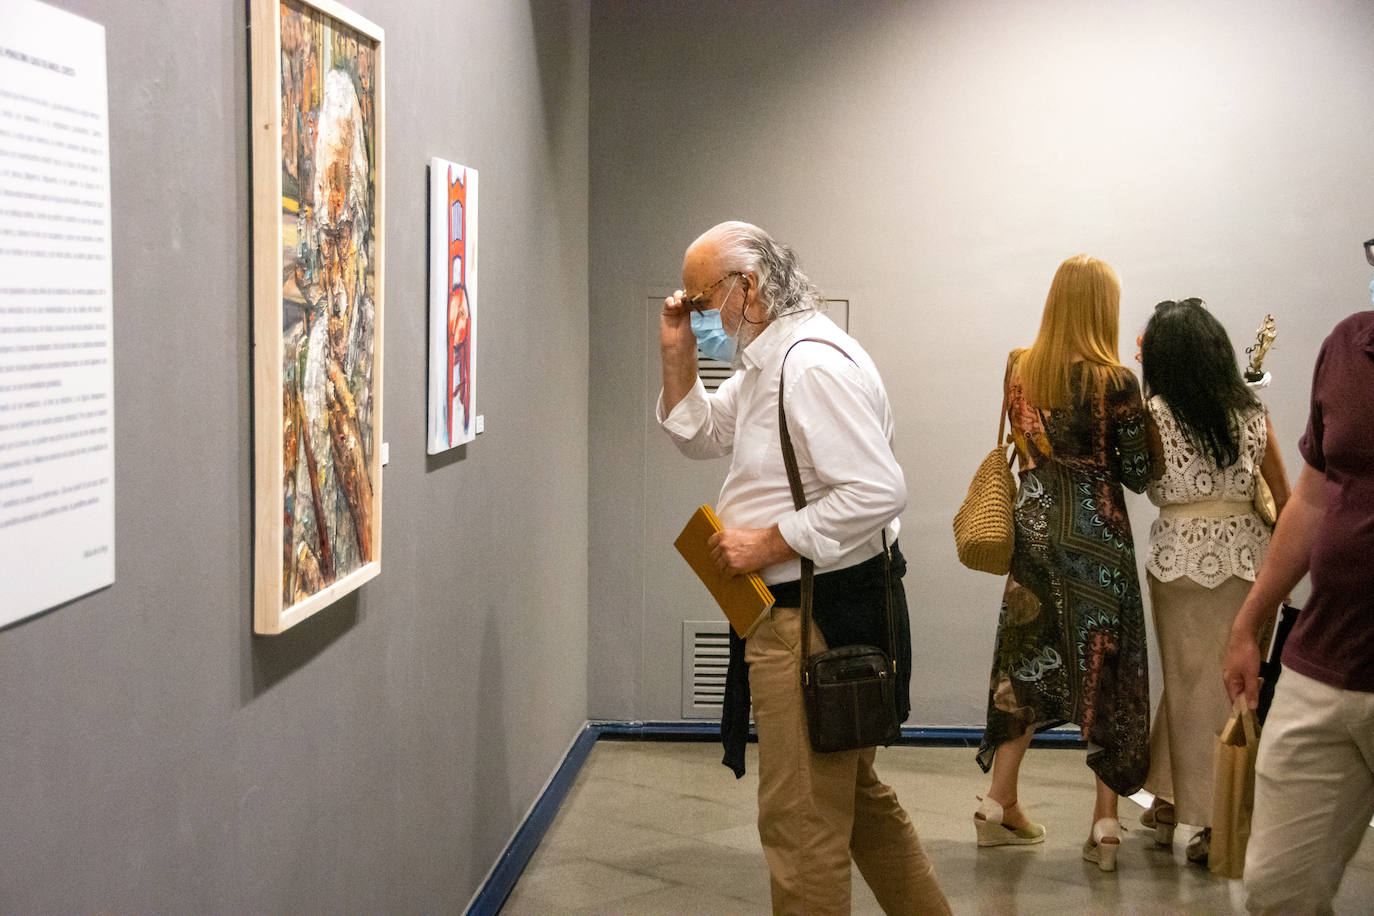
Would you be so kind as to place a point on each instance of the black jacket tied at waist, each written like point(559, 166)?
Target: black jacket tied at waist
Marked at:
point(849, 610)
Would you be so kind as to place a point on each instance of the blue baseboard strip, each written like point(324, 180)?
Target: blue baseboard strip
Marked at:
point(911, 736)
point(501, 881)
point(511, 865)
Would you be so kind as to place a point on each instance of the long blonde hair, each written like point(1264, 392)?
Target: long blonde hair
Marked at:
point(1080, 322)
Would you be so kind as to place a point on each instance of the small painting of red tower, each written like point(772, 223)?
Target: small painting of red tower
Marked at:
point(453, 299)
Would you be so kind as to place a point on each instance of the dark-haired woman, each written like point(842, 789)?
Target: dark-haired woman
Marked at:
point(1204, 547)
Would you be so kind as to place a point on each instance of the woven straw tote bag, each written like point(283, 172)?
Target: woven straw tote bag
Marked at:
point(984, 533)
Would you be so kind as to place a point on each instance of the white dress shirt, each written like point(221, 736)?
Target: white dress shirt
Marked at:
point(841, 427)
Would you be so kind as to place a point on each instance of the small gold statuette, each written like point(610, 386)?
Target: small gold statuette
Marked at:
point(1264, 339)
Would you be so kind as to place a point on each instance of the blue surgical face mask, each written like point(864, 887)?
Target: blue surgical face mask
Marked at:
point(711, 337)
point(1371, 290)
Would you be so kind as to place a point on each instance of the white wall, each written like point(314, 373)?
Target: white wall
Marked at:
point(935, 161)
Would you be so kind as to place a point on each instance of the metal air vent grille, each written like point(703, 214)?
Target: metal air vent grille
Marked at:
point(705, 657)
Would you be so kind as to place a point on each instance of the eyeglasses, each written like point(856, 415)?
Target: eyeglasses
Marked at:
point(1369, 251)
point(698, 302)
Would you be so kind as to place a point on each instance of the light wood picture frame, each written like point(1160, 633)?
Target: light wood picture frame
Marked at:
point(318, 217)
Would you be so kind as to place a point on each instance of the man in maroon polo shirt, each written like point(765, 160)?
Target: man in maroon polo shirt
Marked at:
point(1314, 780)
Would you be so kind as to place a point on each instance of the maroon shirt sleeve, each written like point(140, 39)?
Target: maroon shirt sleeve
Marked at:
point(1310, 445)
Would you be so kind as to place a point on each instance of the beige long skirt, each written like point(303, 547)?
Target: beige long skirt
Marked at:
point(1192, 625)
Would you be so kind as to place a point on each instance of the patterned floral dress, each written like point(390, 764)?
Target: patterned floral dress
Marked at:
point(1071, 635)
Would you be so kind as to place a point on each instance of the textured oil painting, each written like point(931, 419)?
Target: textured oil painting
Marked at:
point(317, 310)
point(452, 304)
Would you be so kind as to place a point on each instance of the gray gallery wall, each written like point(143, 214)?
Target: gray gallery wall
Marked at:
point(934, 162)
point(155, 756)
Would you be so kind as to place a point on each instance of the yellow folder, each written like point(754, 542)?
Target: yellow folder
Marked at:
point(744, 599)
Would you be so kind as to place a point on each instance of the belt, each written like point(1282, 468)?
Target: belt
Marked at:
point(1207, 508)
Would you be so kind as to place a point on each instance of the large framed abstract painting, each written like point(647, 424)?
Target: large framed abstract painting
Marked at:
point(317, 306)
point(452, 304)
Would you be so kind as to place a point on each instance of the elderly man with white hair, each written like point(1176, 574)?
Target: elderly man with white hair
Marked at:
point(743, 292)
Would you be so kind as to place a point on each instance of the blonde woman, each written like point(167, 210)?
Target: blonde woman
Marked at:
point(1204, 548)
point(1071, 635)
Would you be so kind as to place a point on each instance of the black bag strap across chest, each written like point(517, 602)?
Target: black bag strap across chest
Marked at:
point(808, 566)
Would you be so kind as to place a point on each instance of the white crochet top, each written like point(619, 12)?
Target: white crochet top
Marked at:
point(1222, 536)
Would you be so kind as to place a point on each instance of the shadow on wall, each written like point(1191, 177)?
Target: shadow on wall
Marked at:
point(273, 658)
point(492, 821)
point(445, 458)
point(552, 22)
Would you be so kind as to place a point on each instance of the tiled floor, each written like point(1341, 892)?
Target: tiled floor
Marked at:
point(662, 827)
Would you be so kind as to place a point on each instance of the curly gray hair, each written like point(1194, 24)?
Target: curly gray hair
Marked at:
point(783, 288)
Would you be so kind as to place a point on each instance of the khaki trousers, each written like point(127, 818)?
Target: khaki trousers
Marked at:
point(817, 811)
point(1314, 795)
